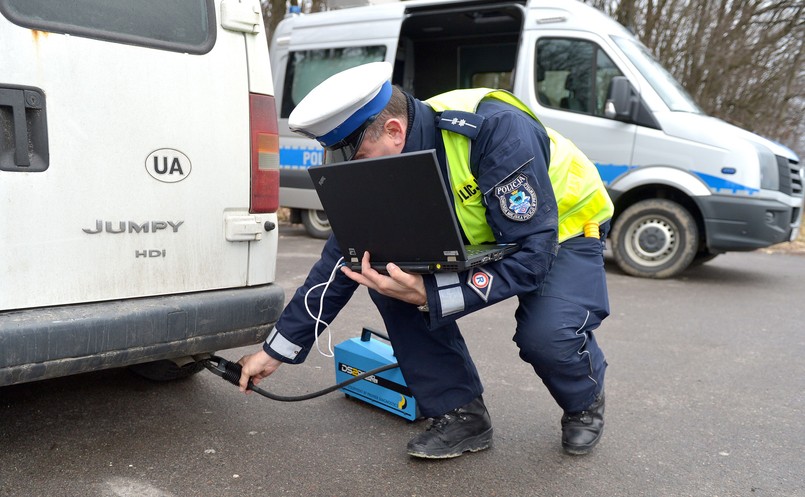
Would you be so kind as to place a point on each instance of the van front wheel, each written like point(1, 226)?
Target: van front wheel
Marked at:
point(316, 223)
point(654, 238)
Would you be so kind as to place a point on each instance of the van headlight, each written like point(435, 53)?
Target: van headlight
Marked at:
point(769, 173)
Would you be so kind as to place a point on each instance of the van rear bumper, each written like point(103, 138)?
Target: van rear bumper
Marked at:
point(741, 224)
point(57, 341)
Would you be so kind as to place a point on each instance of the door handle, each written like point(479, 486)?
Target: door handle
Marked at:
point(23, 122)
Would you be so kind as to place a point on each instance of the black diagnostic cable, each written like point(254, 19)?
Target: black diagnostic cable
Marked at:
point(230, 371)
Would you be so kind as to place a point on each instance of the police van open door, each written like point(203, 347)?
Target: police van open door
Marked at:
point(434, 48)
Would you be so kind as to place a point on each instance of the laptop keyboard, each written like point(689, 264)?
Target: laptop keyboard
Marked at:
point(475, 250)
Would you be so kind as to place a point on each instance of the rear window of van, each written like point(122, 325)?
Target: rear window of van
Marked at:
point(307, 68)
point(177, 25)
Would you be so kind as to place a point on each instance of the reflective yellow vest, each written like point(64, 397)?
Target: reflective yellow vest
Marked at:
point(580, 194)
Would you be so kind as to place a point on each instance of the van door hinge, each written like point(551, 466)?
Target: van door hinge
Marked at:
point(244, 16)
point(243, 228)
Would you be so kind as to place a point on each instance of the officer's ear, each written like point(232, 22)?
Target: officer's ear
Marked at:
point(395, 129)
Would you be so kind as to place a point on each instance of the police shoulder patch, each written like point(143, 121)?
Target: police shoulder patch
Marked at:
point(517, 198)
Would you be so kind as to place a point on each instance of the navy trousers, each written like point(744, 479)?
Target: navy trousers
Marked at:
point(554, 333)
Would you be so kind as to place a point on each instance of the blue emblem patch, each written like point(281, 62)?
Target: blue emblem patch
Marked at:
point(518, 201)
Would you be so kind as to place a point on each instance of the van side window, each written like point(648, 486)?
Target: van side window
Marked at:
point(308, 68)
point(179, 25)
point(573, 75)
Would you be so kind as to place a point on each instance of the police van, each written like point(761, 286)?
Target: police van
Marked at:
point(138, 183)
point(686, 186)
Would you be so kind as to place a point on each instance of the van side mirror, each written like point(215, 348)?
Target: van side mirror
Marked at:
point(620, 101)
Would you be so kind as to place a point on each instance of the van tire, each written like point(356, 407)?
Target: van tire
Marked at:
point(316, 223)
point(655, 238)
point(166, 370)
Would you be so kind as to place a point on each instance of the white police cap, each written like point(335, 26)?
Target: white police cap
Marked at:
point(343, 103)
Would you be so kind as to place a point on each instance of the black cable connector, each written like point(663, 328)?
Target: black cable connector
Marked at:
point(230, 371)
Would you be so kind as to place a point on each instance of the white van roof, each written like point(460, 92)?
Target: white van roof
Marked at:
point(567, 14)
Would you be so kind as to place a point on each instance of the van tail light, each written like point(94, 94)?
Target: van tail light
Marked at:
point(265, 154)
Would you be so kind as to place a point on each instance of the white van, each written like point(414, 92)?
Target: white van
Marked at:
point(686, 186)
point(138, 185)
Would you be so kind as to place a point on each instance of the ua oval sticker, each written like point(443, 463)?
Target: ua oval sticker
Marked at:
point(168, 165)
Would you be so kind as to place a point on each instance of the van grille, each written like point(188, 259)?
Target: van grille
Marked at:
point(790, 176)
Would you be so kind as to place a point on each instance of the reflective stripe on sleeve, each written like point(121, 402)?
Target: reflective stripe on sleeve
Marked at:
point(451, 300)
point(282, 345)
point(446, 279)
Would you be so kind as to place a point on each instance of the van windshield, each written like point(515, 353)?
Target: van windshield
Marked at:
point(668, 88)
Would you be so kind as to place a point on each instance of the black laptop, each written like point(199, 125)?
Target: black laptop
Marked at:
point(397, 208)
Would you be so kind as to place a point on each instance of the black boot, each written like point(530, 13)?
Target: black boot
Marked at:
point(467, 428)
point(582, 430)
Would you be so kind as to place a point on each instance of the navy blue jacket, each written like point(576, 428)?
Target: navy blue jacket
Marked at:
point(509, 143)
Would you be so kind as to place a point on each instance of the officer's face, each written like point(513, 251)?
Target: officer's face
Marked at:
point(391, 141)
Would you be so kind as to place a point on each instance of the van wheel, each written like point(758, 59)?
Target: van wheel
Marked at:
point(316, 223)
point(655, 239)
point(166, 370)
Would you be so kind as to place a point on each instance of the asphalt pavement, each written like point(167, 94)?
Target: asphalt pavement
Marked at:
point(704, 398)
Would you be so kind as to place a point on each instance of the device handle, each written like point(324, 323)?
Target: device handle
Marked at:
point(367, 333)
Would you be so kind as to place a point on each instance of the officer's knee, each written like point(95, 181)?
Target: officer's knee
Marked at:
point(550, 348)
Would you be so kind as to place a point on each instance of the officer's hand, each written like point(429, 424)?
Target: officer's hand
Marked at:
point(398, 284)
point(256, 367)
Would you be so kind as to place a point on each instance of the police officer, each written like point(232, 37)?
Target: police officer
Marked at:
point(512, 180)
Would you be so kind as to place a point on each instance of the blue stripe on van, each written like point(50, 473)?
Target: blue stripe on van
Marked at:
point(300, 157)
point(303, 158)
point(611, 172)
point(720, 185)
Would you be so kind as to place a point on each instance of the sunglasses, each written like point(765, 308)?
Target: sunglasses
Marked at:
point(346, 149)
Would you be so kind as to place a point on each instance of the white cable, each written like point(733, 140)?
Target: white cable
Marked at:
point(317, 318)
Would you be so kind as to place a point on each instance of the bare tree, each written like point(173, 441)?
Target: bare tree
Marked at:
point(742, 60)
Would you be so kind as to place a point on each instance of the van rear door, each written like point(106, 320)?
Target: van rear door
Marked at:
point(134, 196)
